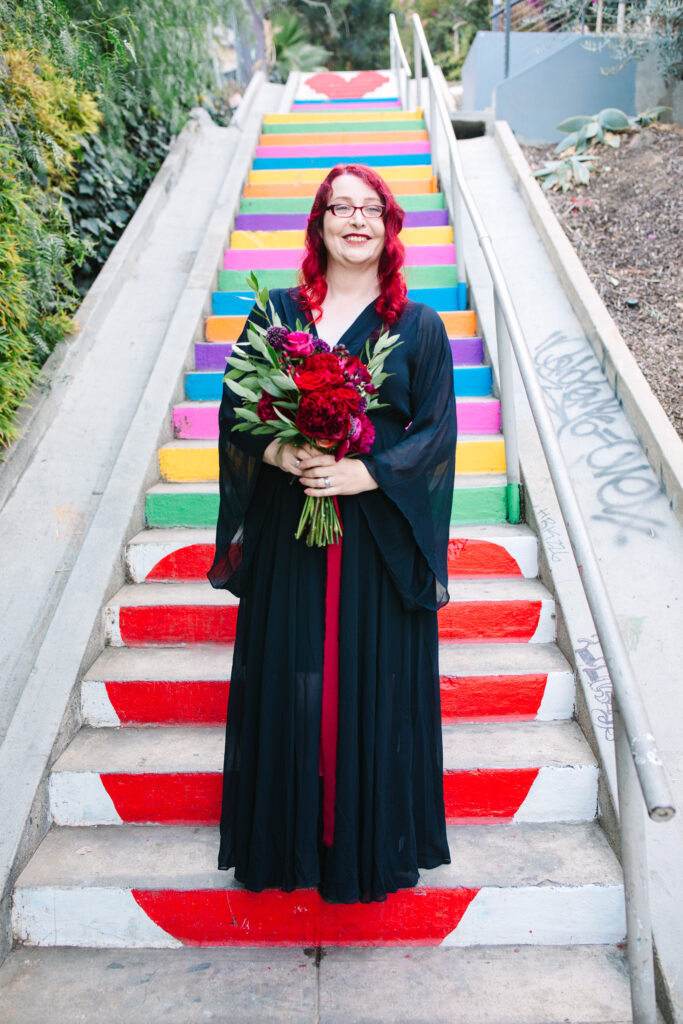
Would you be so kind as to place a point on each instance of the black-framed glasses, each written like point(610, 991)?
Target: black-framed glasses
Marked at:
point(370, 210)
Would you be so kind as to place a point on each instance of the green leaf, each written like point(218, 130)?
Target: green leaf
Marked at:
point(283, 381)
point(247, 414)
point(272, 389)
point(613, 119)
point(243, 392)
point(572, 124)
point(566, 143)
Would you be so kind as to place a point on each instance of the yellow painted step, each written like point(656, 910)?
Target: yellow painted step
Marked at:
point(274, 189)
point(198, 461)
point(461, 324)
point(340, 138)
point(326, 118)
point(295, 239)
point(316, 174)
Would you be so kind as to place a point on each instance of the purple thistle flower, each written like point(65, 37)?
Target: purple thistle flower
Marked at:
point(321, 346)
point(276, 337)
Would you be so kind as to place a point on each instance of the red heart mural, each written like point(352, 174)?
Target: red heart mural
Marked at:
point(337, 88)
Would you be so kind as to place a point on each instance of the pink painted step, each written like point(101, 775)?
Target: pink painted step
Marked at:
point(199, 420)
point(290, 259)
point(353, 150)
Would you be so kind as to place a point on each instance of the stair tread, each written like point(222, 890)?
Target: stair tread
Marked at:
point(463, 481)
point(211, 403)
point(467, 746)
point(184, 857)
point(213, 661)
point(505, 984)
point(464, 439)
point(200, 593)
point(205, 535)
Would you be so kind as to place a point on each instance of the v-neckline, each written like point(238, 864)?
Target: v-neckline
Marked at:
point(351, 326)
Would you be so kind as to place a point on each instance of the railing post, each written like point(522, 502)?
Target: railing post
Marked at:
point(506, 60)
point(507, 403)
point(417, 68)
point(634, 866)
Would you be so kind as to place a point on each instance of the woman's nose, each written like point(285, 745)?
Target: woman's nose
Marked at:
point(357, 217)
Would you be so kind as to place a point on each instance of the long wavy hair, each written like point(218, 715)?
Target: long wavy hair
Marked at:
point(313, 285)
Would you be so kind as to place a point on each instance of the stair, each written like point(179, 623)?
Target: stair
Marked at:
point(130, 860)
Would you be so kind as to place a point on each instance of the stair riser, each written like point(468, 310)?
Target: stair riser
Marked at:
point(349, 131)
point(125, 918)
point(302, 204)
point(389, 116)
point(244, 258)
point(317, 137)
point(315, 175)
point(443, 276)
point(345, 106)
point(202, 423)
point(485, 795)
point(211, 355)
point(467, 559)
point(298, 221)
point(442, 300)
point(191, 465)
point(460, 324)
point(337, 152)
point(426, 238)
point(470, 505)
point(467, 622)
point(204, 702)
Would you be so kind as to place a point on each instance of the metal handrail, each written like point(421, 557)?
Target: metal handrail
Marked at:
point(637, 756)
point(399, 61)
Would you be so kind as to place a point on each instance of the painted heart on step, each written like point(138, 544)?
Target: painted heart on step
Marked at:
point(337, 88)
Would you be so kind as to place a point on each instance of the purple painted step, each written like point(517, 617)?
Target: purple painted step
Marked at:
point(200, 422)
point(348, 149)
point(301, 107)
point(298, 221)
point(211, 355)
point(290, 259)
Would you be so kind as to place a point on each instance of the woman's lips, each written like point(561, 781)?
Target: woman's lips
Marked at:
point(356, 239)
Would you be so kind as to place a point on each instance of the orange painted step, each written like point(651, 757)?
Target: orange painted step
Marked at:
point(462, 324)
point(341, 138)
point(275, 189)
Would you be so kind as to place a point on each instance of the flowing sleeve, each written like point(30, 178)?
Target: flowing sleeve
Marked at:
point(409, 515)
point(240, 457)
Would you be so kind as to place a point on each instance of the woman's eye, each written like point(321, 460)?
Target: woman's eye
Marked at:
point(341, 209)
point(373, 211)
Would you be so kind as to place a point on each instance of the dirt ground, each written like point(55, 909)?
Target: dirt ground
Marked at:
point(627, 228)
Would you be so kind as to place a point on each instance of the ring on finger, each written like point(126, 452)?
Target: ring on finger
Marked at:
point(326, 481)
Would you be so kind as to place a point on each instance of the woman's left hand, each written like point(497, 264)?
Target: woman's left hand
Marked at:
point(348, 476)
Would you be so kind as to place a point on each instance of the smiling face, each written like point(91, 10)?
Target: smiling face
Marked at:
point(355, 241)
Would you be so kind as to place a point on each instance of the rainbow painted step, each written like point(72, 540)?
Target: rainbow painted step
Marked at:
point(297, 221)
point(442, 300)
point(505, 771)
point(158, 886)
point(272, 257)
point(475, 500)
point(409, 185)
point(294, 142)
point(189, 461)
point(190, 686)
point(161, 615)
point(199, 420)
point(292, 204)
point(443, 276)
point(473, 552)
point(297, 128)
point(314, 175)
point(411, 237)
point(460, 324)
point(295, 117)
point(211, 355)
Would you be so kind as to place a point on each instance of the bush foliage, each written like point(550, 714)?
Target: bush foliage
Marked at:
point(91, 92)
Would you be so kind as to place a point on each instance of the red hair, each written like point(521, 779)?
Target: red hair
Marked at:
point(393, 292)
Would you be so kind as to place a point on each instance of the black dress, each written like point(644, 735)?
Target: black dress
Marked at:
point(389, 810)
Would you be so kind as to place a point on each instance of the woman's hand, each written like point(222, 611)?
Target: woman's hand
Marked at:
point(348, 476)
point(286, 457)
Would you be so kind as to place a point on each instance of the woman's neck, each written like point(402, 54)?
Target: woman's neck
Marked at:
point(351, 284)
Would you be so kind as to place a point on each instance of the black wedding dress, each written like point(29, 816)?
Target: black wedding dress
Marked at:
point(389, 809)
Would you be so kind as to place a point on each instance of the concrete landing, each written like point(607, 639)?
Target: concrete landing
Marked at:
point(638, 541)
point(487, 985)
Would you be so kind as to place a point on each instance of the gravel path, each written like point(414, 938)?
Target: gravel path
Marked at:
point(627, 227)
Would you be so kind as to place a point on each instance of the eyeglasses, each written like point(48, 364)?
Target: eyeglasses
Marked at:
point(372, 212)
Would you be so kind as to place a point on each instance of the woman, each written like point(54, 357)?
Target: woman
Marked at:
point(395, 504)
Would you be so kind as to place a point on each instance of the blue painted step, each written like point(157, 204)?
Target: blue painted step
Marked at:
point(468, 381)
point(443, 300)
point(387, 160)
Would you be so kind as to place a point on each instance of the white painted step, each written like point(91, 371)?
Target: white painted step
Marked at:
point(149, 547)
point(564, 787)
point(535, 885)
point(447, 985)
point(136, 666)
point(201, 595)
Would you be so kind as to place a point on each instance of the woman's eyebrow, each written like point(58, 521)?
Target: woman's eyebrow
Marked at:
point(368, 199)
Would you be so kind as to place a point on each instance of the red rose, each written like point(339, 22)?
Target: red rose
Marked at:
point(318, 371)
point(350, 398)
point(299, 343)
point(357, 370)
point(365, 440)
point(322, 416)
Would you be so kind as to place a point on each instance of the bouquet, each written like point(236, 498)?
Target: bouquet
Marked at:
point(299, 389)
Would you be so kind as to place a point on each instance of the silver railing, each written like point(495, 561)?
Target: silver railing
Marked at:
point(638, 762)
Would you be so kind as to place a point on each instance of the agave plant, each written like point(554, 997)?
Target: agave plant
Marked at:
point(293, 51)
point(564, 173)
point(585, 132)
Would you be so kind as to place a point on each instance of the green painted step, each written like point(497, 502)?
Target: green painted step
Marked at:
point(299, 128)
point(302, 204)
point(168, 505)
point(416, 277)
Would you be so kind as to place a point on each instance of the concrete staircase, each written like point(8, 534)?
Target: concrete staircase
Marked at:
point(130, 861)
